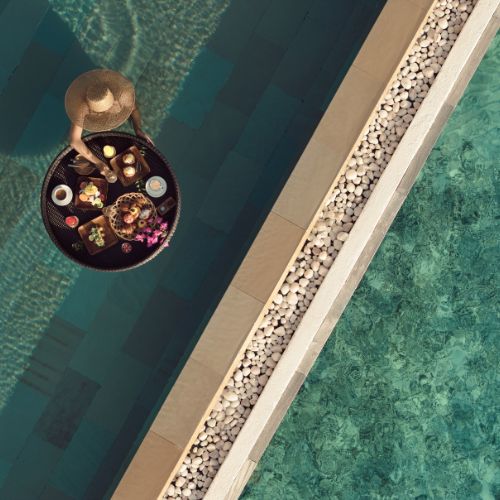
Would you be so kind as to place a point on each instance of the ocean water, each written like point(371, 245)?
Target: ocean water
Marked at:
point(403, 402)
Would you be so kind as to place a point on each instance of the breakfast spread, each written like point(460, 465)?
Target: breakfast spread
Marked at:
point(129, 215)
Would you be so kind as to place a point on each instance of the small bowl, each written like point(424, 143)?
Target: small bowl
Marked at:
point(160, 191)
point(57, 195)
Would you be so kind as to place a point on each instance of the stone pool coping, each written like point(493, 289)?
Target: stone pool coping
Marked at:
point(356, 254)
point(263, 269)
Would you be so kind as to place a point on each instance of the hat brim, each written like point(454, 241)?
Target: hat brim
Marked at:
point(75, 100)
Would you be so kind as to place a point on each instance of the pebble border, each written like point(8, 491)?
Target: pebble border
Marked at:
point(393, 116)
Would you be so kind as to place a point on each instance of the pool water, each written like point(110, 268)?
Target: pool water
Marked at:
point(231, 91)
point(403, 402)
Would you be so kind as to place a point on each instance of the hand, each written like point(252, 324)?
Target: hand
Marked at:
point(140, 133)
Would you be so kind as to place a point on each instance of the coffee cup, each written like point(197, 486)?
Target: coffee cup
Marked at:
point(62, 195)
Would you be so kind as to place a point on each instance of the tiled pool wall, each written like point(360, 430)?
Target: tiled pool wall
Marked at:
point(98, 353)
point(198, 481)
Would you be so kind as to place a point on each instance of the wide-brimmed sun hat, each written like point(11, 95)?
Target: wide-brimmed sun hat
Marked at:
point(100, 100)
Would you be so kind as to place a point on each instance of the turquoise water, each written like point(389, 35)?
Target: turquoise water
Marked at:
point(231, 91)
point(403, 402)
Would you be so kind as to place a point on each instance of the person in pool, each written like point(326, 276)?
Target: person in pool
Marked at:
point(97, 101)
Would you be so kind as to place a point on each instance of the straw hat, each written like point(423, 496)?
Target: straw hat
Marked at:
point(100, 100)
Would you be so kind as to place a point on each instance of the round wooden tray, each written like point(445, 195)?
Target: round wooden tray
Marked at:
point(111, 259)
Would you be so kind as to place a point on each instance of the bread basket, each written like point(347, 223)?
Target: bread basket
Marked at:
point(114, 214)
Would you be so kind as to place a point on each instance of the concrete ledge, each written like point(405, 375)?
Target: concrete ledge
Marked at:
point(354, 258)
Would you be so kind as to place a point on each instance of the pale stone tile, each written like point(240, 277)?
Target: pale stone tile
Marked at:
point(188, 404)
point(268, 258)
point(145, 476)
point(309, 183)
point(228, 330)
point(349, 112)
point(390, 37)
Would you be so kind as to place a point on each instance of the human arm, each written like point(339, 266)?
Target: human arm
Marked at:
point(75, 139)
point(136, 119)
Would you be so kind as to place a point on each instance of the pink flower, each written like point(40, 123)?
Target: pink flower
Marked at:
point(139, 237)
point(147, 230)
point(157, 233)
point(158, 220)
point(164, 226)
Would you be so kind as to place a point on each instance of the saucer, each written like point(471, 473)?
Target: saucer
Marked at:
point(62, 202)
point(160, 190)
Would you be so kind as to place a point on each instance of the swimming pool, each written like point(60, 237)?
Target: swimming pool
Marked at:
point(403, 401)
point(231, 92)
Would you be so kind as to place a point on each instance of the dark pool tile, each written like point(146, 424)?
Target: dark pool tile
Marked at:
point(212, 142)
point(74, 62)
point(279, 28)
point(193, 191)
point(18, 419)
point(267, 124)
point(208, 75)
point(277, 170)
point(80, 308)
point(251, 74)
point(24, 91)
point(96, 354)
point(174, 138)
point(19, 20)
point(52, 355)
point(332, 14)
point(118, 455)
point(304, 58)
point(52, 493)
point(54, 34)
point(47, 129)
point(29, 473)
point(82, 459)
point(236, 27)
point(18, 180)
point(228, 191)
point(65, 410)
point(118, 392)
point(150, 334)
point(191, 264)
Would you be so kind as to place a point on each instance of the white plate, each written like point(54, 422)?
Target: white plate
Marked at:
point(158, 192)
point(66, 200)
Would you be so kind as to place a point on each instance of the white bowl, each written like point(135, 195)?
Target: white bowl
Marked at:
point(67, 198)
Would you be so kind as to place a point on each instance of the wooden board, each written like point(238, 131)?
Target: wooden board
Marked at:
point(110, 237)
point(142, 167)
